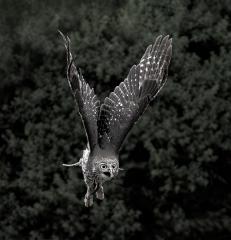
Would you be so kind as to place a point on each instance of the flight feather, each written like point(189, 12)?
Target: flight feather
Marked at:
point(127, 102)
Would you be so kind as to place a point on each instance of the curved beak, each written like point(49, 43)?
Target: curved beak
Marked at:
point(111, 172)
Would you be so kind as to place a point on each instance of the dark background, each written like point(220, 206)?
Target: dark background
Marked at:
point(177, 158)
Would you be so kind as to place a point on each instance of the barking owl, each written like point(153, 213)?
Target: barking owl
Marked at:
point(107, 124)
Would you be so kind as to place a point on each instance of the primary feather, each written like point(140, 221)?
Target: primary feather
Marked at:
point(87, 101)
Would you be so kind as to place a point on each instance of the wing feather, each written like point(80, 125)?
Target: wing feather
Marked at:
point(128, 101)
point(87, 102)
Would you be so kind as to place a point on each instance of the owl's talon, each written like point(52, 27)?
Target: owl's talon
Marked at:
point(100, 194)
point(88, 201)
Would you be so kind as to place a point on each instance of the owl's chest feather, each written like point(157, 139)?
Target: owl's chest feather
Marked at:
point(88, 168)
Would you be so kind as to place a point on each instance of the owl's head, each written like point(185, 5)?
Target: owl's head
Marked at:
point(108, 168)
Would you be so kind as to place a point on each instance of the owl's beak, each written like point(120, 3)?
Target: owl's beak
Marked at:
point(112, 172)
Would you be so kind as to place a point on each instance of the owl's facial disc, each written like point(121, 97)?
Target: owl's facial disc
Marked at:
point(108, 170)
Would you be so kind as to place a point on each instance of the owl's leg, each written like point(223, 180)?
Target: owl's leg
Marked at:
point(100, 193)
point(88, 200)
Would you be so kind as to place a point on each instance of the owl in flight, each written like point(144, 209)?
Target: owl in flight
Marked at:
point(107, 124)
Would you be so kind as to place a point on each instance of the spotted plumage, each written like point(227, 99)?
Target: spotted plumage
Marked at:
point(108, 124)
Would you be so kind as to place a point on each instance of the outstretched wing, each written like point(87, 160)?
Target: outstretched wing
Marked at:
point(128, 101)
point(88, 104)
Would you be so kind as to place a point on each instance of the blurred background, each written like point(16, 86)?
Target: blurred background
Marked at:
point(176, 183)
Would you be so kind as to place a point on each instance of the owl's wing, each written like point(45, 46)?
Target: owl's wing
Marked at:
point(127, 102)
point(87, 102)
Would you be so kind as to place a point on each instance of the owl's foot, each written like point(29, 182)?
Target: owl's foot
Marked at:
point(100, 193)
point(88, 200)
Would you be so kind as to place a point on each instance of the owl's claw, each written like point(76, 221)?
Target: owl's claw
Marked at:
point(88, 201)
point(100, 193)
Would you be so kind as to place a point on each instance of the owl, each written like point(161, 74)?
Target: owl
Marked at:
point(107, 124)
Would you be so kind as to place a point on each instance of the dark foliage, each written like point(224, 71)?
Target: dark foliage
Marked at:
point(177, 158)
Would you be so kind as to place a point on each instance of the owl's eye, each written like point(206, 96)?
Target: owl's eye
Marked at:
point(103, 166)
point(113, 166)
